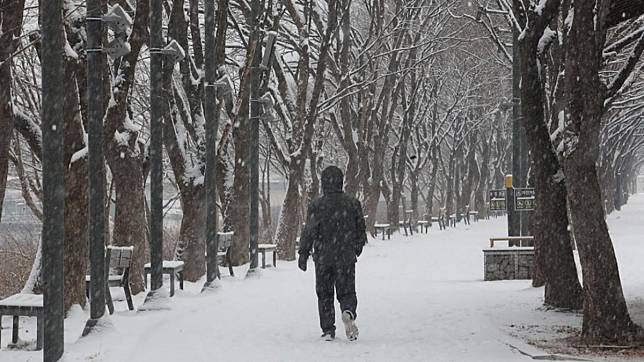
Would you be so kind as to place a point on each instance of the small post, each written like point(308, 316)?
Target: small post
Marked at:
point(619, 192)
point(514, 227)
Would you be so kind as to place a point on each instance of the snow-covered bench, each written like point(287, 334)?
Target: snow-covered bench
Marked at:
point(29, 305)
point(452, 220)
point(171, 267)
point(384, 228)
point(406, 223)
point(424, 224)
point(440, 221)
point(118, 259)
point(263, 248)
point(522, 240)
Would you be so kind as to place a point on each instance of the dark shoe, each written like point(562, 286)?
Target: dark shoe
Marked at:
point(328, 336)
point(350, 326)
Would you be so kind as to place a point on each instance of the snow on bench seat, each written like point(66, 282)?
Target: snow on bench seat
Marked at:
point(386, 229)
point(23, 300)
point(170, 267)
point(174, 264)
point(263, 248)
point(28, 305)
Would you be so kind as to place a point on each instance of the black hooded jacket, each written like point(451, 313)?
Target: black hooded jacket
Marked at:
point(335, 228)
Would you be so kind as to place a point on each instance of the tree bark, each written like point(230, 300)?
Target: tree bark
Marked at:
point(606, 318)
point(76, 194)
point(11, 12)
point(125, 155)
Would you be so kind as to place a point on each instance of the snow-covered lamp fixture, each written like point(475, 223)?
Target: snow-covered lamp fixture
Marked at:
point(270, 42)
point(479, 13)
point(120, 23)
point(174, 52)
point(118, 20)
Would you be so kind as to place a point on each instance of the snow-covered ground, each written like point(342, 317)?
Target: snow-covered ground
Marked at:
point(421, 298)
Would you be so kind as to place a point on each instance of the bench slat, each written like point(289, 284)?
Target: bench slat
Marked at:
point(23, 300)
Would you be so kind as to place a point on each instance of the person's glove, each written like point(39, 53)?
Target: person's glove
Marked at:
point(301, 262)
point(358, 251)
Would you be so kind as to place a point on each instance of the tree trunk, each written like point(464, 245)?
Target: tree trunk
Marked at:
point(413, 182)
point(288, 223)
point(130, 222)
point(606, 318)
point(125, 155)
point(192, 234)
point(239, 210)
point(553, 247)
point(10, 28)
point(484, 172)
point(76, 195)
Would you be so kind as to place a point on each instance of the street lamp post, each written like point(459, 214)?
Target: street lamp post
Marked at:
point(53, 165)
point(212, 123)
point(120, 22)
point(156, 146)
point(259, 104)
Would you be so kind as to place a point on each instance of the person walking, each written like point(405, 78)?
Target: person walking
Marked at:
point(334, 234)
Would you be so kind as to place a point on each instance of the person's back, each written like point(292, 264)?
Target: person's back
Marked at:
point(335, 235)
point(337, 229)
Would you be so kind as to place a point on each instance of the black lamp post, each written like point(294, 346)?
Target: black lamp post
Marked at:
point(53, 230)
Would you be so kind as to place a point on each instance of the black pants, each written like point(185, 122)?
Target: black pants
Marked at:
point(343, 278)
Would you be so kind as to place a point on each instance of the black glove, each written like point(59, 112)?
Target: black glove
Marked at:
point(358, 251)
point(301, 262)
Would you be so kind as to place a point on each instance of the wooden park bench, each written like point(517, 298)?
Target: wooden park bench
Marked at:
point(384, 228)
point(28, 305)
point(474, 215)
point(452, 220)
point(118, 261)
point(407, 222)
point(424, 224)
point(527, 240)
point(440, 221)
point(263, 248)
point(174, 268)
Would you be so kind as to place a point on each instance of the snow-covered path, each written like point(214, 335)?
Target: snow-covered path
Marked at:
point(420, 298)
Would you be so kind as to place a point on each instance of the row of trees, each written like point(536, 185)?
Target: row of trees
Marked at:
point(411, 97)
point(403, 94)
point(580, 69)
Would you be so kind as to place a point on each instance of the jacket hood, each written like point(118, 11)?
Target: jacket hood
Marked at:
point(332, 180)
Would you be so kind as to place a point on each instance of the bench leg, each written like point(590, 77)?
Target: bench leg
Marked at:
point(230, 264)
point(263, 260)
point(275, 258)
point(181, 280)
point(16, 325)
point(0, 331)
point(128, 295)
point(40, 331)
point(108, 299)
point(172, 284)
point(145, 279)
